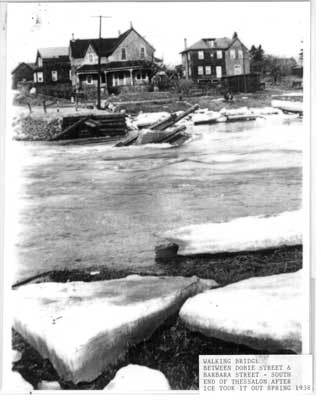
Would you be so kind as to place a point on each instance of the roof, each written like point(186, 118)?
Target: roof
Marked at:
point(30, 65)
point(79, 47)
point(53, 52)
point(204, 44)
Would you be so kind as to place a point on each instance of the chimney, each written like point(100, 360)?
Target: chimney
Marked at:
point(119, 33)
point(185, 43)
point(72, 37)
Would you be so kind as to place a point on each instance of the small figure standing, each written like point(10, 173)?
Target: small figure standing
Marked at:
point(228, 97)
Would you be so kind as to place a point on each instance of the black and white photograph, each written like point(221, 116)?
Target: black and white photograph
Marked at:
point(157, 197)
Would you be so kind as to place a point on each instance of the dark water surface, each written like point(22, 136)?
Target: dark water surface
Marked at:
point(95, 205)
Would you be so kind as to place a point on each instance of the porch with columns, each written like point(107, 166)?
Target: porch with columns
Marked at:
point(127, 77)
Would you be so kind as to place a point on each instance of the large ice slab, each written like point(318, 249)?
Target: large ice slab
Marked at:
point(145, 119)
point(290, 106)
point(264, 313)
point(84, 326)
point(137, 378)
point(241, 234)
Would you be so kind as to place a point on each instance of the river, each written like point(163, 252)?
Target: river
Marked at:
point(96, 205)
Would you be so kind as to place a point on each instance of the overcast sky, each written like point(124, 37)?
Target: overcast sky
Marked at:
point(279, 27)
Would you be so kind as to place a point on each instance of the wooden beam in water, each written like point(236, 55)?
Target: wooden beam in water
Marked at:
point(71, 128)
point(173, 119)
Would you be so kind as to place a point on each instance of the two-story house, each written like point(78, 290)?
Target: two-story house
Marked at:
point(52, 66)
point(211, 59)
point(127, 60)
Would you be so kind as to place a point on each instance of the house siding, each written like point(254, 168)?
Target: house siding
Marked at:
point(132, 43)
point(210, 59)
point(244, 62)
point(62, 68)
point(47, 65)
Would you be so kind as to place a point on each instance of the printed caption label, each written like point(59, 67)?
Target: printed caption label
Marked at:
point(255, 373)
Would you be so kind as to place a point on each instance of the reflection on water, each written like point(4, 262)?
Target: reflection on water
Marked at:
point(83, 206)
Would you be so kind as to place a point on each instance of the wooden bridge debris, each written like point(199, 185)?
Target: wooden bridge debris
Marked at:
point(92, 126)
point(159, 132)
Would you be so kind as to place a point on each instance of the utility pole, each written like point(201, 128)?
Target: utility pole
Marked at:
point(99, 60)
point(244, 73)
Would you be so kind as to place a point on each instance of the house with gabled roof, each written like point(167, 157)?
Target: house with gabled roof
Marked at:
point(52, 66)
point(210, 59)
point(126, 61)
point(22, 73)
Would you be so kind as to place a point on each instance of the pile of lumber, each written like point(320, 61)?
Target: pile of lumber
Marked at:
point(36, 127)
point(92, 126)
point(71, 127)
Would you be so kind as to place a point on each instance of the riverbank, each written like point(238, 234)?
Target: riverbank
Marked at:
point(176, 103)
point(40, 126)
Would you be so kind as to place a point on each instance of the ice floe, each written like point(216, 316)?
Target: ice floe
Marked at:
point(82, 327)
point(263, 313)
point(288, 106)
point(48, 385)
point(241, 234)
point(137, 378)
point(143, 120)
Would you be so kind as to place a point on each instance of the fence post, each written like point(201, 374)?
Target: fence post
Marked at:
point(29, 106)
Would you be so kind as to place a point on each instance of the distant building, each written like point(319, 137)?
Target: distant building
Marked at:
point(22, 73)
point(126, 61)
point(52, 66)
point(211, 59)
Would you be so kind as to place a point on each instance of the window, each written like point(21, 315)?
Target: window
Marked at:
point(219, 54)
point(54, 76)
point(189, 56)
point(142, 52)
point(39, 62)
point(211, 43)
point(70, 74)
point(90, 58)
point(35, 76)
point(123, 54)
point(208, 70)
point(40, 77)
point(218, 72)
point(237, 70)
point(240, 53)
point(232, 54)
point(189, 71)
point(201, 55)
point(200, 70)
